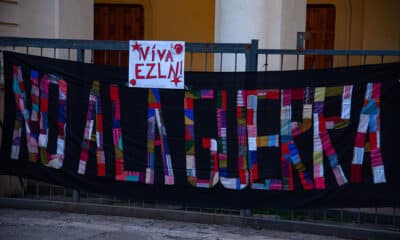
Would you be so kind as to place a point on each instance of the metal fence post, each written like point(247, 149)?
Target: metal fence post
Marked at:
point(300, 40)
point(252, 57)
point(80, 56)
point(251, 66)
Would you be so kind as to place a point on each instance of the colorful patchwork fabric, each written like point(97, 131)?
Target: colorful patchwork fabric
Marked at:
point(120, 173)
point(289, 129)
point(34, 121)
point(305, 95)
point(369, 122)
point(154, 117)
point(255, 142)
point(94, 117)
point(207, 143)
point(44, 120)
point(24, 117)
point(55, 159)
point(322, 141)
point(243, 180)
point(342, 121)
point(37, 127)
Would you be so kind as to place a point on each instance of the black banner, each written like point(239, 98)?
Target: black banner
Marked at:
point(313, 138)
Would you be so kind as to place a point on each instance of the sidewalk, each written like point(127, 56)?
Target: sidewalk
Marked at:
point(26, 224)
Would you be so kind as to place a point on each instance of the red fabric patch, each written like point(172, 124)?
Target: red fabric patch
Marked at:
point(373, 141)
point(60, 129)
point(250, 116)
point(84, 156)
point(223, 96)
point(206, 143)
point(155, 105)
point(376, 90)
point(44, 105)
point(99, 123)
point(188, 103)
point(251, 92)
point(114, 93)
point(101, 170)
point(360, 140)
point(291, 184)
point(321, 123)
point(239, 112)
point(188, 136)
point(285, 150)
point(273, 94)
point(254, 173)
point(298, 94)
point(356, 173)
point(243, 178)
point(118, 167)
point(215, 159)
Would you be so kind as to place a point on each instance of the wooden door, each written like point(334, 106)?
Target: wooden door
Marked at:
point(117, 22)
point(321, 27)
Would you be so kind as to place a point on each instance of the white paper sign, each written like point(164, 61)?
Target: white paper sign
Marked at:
point(156, 64)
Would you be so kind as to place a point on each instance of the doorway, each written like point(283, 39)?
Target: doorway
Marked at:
point(117, 22)
point(320, 25)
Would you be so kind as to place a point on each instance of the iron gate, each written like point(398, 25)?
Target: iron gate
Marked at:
point(212, 57)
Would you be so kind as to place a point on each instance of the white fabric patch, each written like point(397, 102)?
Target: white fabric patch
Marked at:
point(60, 146)
point(14, 152)
point(229, 183)
point(379, 174)
point(169, 164)
point(148, 175)
point(346, 109)
point(346, 101)
point(223, 132)
point(363, 124)
point(378, 139)
point(82, 167)
point(358, 155)
point(340, 177)
point(286, 112)
point(42, 140)
point(55, 163)
point(97, 139)
point(190, 162)
point(215, 179)
point(214, 145)
point(89, 129)
point(307, 111)
point(158, 118)
point(252, 143)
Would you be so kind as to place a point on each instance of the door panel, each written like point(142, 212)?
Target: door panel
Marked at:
point(117, 22)
point(321, 27)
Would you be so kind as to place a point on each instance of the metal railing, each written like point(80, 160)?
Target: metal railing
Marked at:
point(212, 57)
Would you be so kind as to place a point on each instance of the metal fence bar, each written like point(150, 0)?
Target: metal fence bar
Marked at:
point(251, 51)
point(330, 52)
point(252, 56)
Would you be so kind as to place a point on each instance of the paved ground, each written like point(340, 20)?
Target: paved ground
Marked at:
point(25, 224)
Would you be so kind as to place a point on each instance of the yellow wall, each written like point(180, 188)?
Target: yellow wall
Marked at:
point(374, 26)
point(382, 27)
point(381, 24)
point(191, 21)
point(187, 20)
